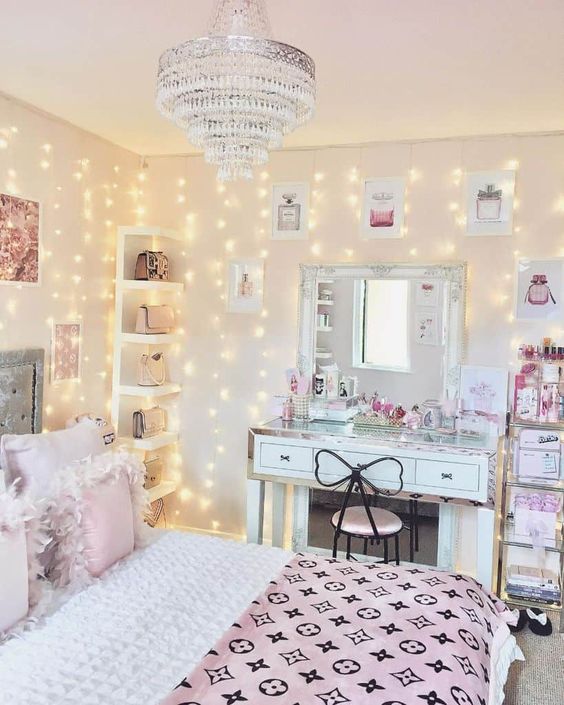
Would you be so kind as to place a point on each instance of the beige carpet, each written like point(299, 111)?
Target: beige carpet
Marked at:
point(540, 679)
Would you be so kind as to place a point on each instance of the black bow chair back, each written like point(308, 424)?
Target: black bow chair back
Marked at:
point(355, 481)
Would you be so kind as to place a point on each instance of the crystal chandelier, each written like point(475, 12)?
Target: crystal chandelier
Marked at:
point(236, 92)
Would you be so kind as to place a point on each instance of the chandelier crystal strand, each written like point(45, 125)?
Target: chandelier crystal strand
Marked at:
point(236, 92)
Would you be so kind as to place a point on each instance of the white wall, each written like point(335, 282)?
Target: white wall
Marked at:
point(83, 198)
point(234, 362)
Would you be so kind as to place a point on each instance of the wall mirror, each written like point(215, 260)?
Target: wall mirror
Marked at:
point(392, 328)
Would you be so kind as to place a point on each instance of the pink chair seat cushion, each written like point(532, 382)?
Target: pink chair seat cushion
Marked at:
point(107, 524)
point(356, 521)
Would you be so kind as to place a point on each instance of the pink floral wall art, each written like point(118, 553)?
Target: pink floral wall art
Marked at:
point(65, 356)
point(19, 240)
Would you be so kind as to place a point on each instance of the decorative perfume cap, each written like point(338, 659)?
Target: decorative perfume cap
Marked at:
point(490, 192)
point(289, 198)
point(382, 196)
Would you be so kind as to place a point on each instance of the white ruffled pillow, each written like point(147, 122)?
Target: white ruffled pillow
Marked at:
point(24, 595)
point(96, 516)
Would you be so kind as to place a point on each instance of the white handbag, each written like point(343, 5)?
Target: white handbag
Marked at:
point(151, 370)
point(154, 319)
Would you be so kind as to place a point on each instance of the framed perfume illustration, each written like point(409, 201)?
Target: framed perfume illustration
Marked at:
point(383, 205)
point(484, 389)
point(66, 344)
point(539, 289)
point(19, 240)
point(489, 202)
point(428, 293)
point(426, 326)
point(290, 211)
point(245, 283)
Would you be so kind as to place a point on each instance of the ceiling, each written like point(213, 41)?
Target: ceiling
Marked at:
point(386, 70)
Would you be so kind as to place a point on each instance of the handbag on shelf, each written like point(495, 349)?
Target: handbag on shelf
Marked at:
point(151, 266)
point(151, 371)
point(154, 319)
point(148, 422)
point(154, 472)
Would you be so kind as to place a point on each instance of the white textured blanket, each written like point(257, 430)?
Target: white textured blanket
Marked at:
point(128, 638)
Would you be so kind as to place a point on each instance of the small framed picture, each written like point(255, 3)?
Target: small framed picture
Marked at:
point(66, 351)
point(383, 206)
point(245, 285)
point(290, 211)
point(484, 389)
point(19, 240)
point(426, 326)
point(489, 202)
point(427, 293)
point(539, 289)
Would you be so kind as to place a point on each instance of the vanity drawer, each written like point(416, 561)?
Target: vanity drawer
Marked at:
point(463, 477)
point(385, 474)
point(286, 457)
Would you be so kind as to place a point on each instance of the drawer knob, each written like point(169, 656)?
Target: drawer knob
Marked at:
point(285, 457)
point(446, 476)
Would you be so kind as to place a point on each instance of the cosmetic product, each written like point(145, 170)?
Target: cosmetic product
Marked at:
point(323, 320)
point(549, 403)
point(519, 383)
point(320, 383)
point(382, 210)
point(333, 383)
point(245, 287)
point(287, 410)
point(289, 213)
point(488, 203)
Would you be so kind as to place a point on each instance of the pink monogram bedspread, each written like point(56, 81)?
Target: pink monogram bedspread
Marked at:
point(329, 631)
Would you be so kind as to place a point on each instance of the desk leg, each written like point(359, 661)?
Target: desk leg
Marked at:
point(278, 513)
point(300, 518)
point(485, 546)
point(255, 510)
point(446, 536)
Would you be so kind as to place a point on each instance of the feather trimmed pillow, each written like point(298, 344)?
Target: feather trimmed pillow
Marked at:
point(23, 591)
point(96, 516)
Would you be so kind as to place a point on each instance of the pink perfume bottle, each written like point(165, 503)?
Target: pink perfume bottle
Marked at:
point(245, 287)
point(488, 203)
point(382, 211)
point(289, 213)
point(287, 410)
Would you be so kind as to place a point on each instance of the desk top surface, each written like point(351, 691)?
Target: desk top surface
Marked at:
point(426, 439)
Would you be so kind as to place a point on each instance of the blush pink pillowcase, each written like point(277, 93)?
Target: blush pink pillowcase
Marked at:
point(107, 524)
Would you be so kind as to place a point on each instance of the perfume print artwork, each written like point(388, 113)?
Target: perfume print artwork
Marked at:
point(19, 241)
point(426, 327)
point(290, 209)
point(245, 285)
point(489, 202)
point(428, 293)
point(539, 289)
point(383, 208)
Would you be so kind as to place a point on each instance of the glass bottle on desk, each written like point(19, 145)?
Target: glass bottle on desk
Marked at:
point(488, 203)
point(289, 213)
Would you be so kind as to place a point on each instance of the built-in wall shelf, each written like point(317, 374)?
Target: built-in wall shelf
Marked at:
point(138, 285)
point(161, 490)
point(325, 303)
point(136, 390)
point(150, 338)
point(324, 329)
point(323, 355)
point(167, 438)
point(149, 231)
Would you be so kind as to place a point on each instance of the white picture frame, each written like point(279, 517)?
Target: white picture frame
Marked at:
point(539, 289)
point(383, 208)
point(66, 351)
point(484, 388)
point(290, 211)
point(245, 285)
point(490, 199)
point(21, 278)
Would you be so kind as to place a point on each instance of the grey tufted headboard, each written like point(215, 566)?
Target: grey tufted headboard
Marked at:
point(21, 391)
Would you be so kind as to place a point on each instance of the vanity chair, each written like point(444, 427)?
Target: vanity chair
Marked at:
point(364, 521)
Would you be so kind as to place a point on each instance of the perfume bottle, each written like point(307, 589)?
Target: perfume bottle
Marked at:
point(289, 213)
point(382, 211)
point(245, 287)
point(287, 410)
point(488, 203)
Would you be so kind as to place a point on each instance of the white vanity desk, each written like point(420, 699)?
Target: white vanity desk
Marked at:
point(447, 470)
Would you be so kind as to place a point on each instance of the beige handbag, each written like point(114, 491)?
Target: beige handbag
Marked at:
point(154, 319)
point(151, 370)
point(153, 472)
point(148, 422)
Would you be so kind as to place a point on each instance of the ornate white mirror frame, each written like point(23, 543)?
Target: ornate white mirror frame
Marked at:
point(453, 275)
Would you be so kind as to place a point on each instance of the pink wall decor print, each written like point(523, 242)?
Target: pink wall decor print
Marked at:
point(19, 240)
point(65, 355)
point(489, 202)
point(383, 203)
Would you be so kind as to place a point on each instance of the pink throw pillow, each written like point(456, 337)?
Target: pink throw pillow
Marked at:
point(36, 458)
point(107, 524)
